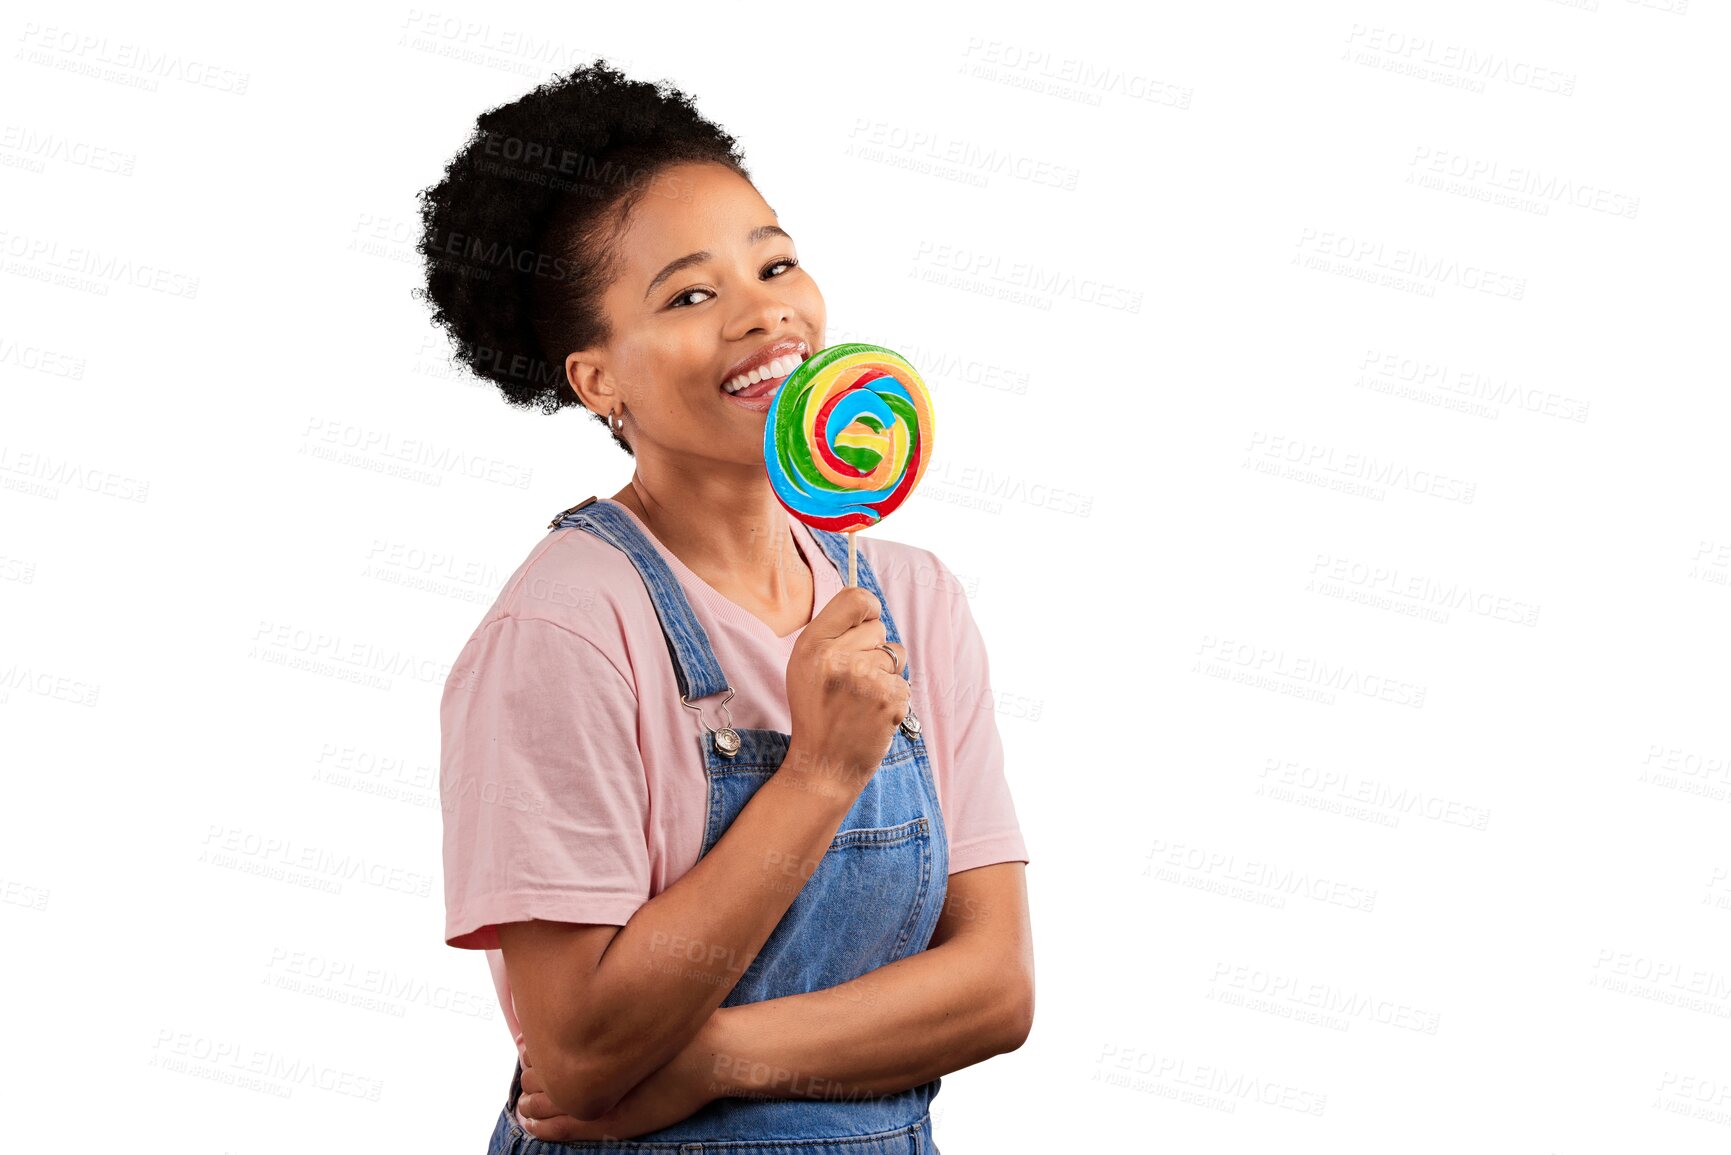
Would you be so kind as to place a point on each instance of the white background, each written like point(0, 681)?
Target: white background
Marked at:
point(1332, 438)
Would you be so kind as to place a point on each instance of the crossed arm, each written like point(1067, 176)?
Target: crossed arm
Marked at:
point(967, 997)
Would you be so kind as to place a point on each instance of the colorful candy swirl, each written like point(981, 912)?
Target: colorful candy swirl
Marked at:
point(848, 436)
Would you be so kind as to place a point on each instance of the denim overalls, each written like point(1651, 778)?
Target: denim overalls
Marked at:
point(874, 897)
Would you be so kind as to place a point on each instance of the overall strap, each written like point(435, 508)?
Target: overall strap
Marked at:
point(835, 545)
point(694, 661)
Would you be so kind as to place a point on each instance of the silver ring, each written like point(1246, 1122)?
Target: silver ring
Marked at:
point(895, 661)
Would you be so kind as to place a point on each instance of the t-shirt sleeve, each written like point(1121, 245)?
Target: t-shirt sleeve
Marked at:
point(979, 813)
point(541, 783)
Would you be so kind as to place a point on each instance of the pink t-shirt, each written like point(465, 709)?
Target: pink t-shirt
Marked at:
point(570, 776)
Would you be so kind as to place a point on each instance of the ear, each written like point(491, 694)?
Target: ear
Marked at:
point(591, 383)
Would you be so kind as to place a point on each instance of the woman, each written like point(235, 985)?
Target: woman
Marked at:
point(736, 836)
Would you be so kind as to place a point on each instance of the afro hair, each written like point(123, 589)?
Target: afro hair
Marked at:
point(519, 237)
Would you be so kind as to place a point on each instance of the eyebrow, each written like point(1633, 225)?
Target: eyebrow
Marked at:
point(697, 258)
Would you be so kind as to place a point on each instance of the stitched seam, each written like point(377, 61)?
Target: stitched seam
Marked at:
point(881, 835)
point(920, 898)
point(732, 766)
point(659, 585)
point(747, 1145)
point(508, 615)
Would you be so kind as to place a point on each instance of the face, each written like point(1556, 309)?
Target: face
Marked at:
point(706, 282)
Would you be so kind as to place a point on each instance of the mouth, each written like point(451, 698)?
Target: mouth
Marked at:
point(753, 382)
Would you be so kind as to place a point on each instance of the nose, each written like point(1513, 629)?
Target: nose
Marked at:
point(761, 306)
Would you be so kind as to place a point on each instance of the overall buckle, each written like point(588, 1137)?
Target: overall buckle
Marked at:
point(563, 514)
point(726, 739)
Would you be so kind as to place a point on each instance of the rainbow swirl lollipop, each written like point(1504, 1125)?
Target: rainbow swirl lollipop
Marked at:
point(847, 437)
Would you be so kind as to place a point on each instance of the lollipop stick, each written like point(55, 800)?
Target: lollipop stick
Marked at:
point(852, 578)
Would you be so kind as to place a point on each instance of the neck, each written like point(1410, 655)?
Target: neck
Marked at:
point(729, 530)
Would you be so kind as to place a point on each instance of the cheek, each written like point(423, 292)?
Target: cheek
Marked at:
point(810, 301)
point(810, 295)
point(631, 374)
point(662, 371)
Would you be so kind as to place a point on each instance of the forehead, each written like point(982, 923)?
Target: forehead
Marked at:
point(689, 207)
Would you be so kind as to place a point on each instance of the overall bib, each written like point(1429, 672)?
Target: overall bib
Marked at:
point(874, 898)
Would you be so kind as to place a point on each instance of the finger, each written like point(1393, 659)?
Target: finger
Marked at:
point(536, 1105)
point(893, 653)
point(877, 665)
point(871, 664)
point(564, 1129)
point(850, 606)
point(863, 636)
point(873, 660)
point(901, 656)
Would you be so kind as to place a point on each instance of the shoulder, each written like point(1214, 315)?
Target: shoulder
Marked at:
point(571, 585)
point(573, 579)
point(901, 564)
point(918, 584)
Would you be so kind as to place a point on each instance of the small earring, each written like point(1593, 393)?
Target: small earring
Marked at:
point(616, 428)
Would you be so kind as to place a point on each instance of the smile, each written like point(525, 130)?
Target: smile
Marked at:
point(753, 383)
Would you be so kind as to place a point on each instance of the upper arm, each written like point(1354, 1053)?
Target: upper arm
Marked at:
point(544, 794)
point(979, 812)
point(545, 805)
point(986, 909)
point(551, 966)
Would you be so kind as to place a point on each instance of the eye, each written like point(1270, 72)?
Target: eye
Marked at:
point(674, 304)
point(789, 262)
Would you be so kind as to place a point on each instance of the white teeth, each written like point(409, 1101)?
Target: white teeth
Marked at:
point(780, 367)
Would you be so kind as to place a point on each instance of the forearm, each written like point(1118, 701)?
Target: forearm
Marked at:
point(896, 1027)
point(670, 967)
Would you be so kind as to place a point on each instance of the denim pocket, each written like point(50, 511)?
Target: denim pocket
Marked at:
point(862, 901)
